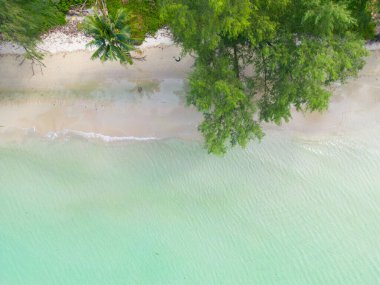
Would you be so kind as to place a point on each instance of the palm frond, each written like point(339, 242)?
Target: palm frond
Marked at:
point(111, 35)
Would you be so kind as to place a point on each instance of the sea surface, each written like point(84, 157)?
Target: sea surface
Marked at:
point(99, 187)
point(287, 211)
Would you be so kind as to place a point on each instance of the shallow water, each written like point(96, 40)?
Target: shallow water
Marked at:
point(286, 211)
point(83, 202)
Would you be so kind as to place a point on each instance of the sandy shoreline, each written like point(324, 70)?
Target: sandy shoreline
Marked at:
point(73, 95)
point(144, 100)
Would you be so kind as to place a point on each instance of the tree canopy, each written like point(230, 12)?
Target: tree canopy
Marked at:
point(257, 59)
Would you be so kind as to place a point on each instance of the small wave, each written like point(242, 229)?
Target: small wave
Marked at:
point(94, 136)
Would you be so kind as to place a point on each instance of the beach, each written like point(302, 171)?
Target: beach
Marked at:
point(73, 93)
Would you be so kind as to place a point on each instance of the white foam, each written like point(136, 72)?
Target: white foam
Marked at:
point(96, 136)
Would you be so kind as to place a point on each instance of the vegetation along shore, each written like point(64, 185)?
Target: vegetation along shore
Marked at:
point(248, 63)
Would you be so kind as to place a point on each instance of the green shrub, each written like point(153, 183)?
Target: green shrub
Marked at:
point(144, 16)
point(65, 5)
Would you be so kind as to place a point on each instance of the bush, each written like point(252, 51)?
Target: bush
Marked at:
point(144, 16)
point(65, 5)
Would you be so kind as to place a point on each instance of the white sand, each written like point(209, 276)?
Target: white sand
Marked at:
point(59, 41)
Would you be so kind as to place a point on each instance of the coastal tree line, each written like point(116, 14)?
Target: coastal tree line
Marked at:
point(255, 60)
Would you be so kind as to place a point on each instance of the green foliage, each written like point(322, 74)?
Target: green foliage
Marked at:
point(256, 59)
point(114, 5)
point(362, 11)
point(23, 22)
point(215, 91)
point(144, 16)
point(111, 35)
point(65, 5)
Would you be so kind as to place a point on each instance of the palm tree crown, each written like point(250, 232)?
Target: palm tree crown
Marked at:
point(111, 35)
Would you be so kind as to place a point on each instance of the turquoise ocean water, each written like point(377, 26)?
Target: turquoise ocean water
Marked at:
point(287, 211)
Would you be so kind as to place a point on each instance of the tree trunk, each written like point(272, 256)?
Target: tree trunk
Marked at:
point(236, 62)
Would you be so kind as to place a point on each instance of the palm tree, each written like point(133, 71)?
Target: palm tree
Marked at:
point(111, 35)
